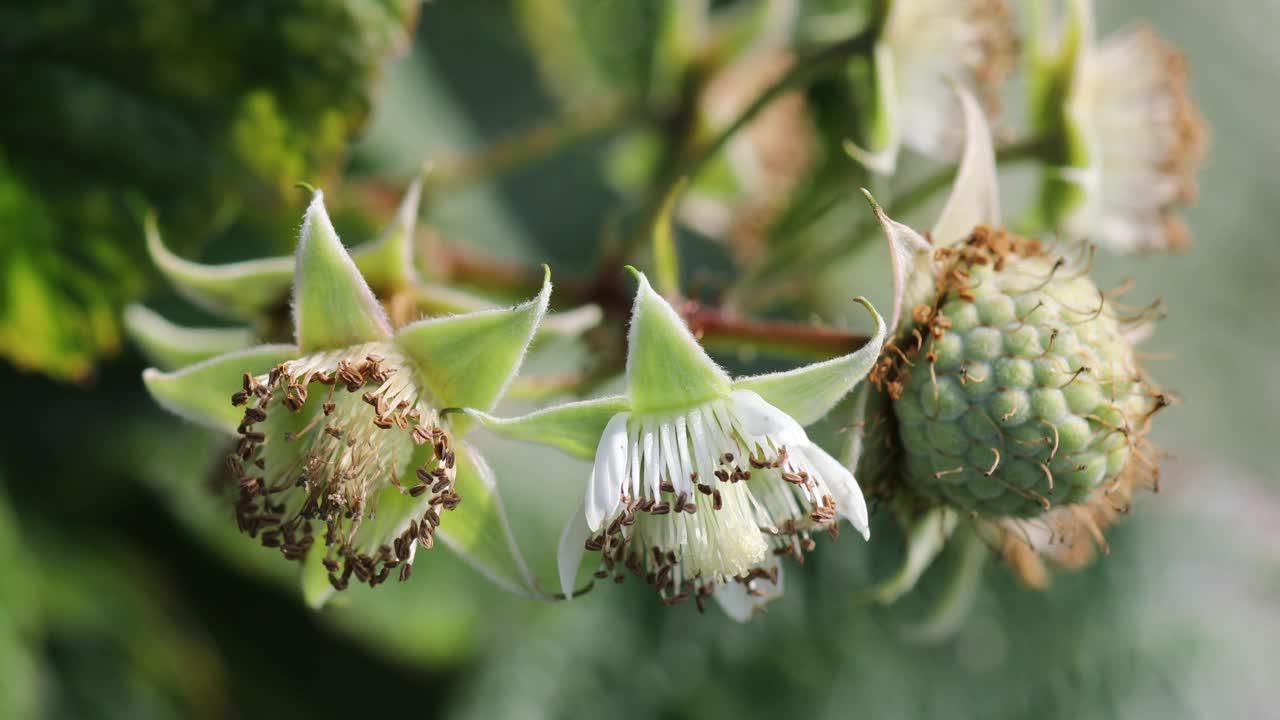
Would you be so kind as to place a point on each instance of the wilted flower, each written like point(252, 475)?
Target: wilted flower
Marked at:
point(1130, 139)
point(1014, 386)
point(342, 458)
point(926, 48)
point(701, 482)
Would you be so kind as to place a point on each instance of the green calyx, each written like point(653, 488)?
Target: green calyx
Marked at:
point(1024, 393)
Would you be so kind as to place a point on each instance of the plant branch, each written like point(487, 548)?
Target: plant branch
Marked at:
point(718, 329)
point(803, 73)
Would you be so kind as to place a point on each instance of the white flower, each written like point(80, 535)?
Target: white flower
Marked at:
point(695, 499)
point(701, 483)
point(927, 48)
point(1143, 140)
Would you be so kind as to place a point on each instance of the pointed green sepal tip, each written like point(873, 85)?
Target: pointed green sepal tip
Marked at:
point(469, 360)
point(479, 532)
point(573, 427)
point(172, 346)
point(387, 262)
point(241, 290)
point(202, 392)
point(332, 304)
point(908, 257)
point(666, 367)
point(807, 393)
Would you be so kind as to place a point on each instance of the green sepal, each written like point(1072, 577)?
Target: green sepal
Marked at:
point(666, 367)
point(317, 591)
point(434, 300)
point(240, 290)
point(809, 392)
point(202, 392)
point(480, 533)
point(1055, 55)
point(975, 196)
point(172, 346)
point(574, 427)
point(909, 262)
point(927, 535)
point(387, 261)
point(469, 360)
point(333, 306)
point(961, 586)
point(1056, 63)
point(883, 124)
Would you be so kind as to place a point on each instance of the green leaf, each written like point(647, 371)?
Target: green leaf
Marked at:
point(202, 393)
point(809, 392)
point(173, 346)
point(198, 110)
point(478, 529)
point(332, 304)
point(58, 289)
point(387, 261)
point(585, 49)
point(241, 290)
point(572, 427)
point(666, 367)
point(469, 360)
point(975, 197)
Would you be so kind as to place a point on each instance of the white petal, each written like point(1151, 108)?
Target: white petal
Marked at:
point(604, 491)
point(682, 444)
point(734, 601)
point(649, 441)
point(975, 196)
point(572, 547)
point(671, 457)
point(844, 488)
point(759, 419)
point(741, 605)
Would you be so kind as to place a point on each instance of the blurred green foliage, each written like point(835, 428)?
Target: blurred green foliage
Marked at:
point(125, 592)
point(208, 111)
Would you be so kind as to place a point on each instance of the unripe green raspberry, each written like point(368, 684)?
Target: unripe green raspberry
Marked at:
point(1017, 389)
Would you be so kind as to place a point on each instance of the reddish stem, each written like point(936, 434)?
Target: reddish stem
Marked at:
point(714, 327)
